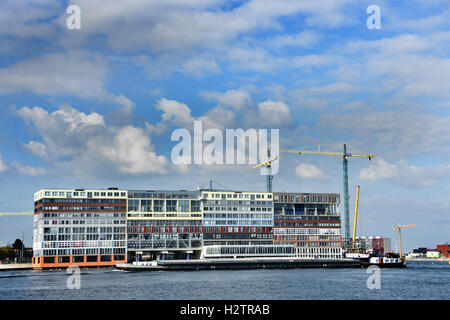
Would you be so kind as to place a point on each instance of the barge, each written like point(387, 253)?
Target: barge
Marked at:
point(238, 263)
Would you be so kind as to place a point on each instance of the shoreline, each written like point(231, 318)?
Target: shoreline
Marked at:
point(15, 266)
point(427, 259)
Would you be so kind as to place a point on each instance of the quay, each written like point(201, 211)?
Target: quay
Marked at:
point(238, 263)
point(15, 266)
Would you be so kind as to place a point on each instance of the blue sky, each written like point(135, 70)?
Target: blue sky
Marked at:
point(96, 107)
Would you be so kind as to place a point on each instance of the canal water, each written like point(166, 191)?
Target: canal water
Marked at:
point(420, 280)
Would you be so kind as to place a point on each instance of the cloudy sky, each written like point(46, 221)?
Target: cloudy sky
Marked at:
point(96, 107)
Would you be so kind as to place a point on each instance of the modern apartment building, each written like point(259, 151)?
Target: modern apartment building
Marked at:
point(87, 227)
point(164, 224)
point(79, 227)
point(237, 218)
point(310, 221)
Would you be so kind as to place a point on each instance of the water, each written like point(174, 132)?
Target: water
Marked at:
point(420, 280)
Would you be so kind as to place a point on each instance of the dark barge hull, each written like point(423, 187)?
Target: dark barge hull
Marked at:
point(243, 263)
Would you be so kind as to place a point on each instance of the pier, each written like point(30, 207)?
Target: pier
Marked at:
point(238, 263)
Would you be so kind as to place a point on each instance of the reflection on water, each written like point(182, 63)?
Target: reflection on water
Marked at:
point(420, 280)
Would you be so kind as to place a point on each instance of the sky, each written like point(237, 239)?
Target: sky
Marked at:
point(95, 107)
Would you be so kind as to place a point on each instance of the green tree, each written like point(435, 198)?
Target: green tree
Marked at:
point(6, 252)
point(18, 244)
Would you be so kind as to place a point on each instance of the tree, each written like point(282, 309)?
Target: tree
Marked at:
point(18, 244)
point(6, 252)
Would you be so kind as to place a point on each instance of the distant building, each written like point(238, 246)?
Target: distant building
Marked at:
point(378, 245)
point(422, 251)
point(444, 249)
point(433, 254)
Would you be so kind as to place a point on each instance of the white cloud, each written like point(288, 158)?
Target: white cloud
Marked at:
point(3, 165)
point(175, 112)
point(309, 171)
point(66, 130)
point(131, 150)
point(236, 99)
point(87, 143)
point(403, 173)
point(36, 148)
point(399, 133)
point(200, 67)
point(306, 38)
point(28, 170)
point(74, 73)
point(174, 26)
point(273, 113)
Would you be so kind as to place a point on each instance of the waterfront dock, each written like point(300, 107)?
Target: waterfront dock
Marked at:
point(238, 263)
point(15, 266)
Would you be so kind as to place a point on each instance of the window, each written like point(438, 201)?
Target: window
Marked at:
point(133, 205)
point(183, 205)
point(64, 259)
point(159, 205)
point(49, 259)
point(195, 205)
point(146, 205)
point(171, 205)
point(105, 258)
point(91, 258)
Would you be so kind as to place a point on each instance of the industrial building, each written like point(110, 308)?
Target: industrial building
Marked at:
point(87, 227)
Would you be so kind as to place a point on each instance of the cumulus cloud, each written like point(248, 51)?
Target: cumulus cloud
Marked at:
point(309, 171)
point(236, 99)
point(66, 130)
point(37, 148)
point(403, 173)
point(89, 144)
point(270, 113)
point(133, 153)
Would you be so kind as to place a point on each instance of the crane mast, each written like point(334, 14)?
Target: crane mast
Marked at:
point(356, 217)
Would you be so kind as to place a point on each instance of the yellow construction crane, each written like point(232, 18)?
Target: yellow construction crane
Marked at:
point(268, 164)
point(399, 227)
point(356, 216)
point(25, 213)
point(345, 155)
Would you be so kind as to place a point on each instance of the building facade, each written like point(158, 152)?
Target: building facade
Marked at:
point(164, 224)
point(79, 227)
point(93, 228)
point(237, 218)
point(310, 221)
